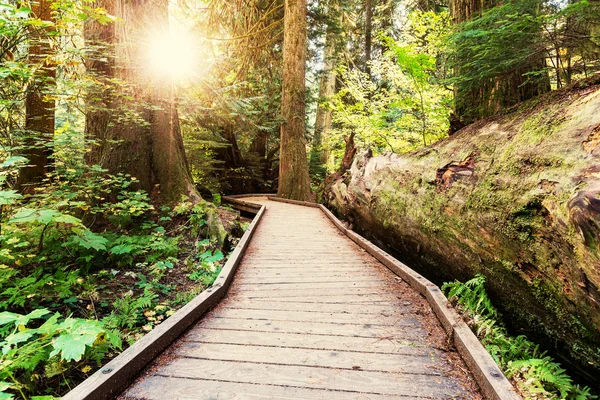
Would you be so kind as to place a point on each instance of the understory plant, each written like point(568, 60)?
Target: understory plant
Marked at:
point(87, 262)
point(42, 345)
point(536, 374)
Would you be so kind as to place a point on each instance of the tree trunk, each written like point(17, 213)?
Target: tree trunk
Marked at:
point(135, 125)
point(368, 34)
point(515, 198)
point(293, 166)
point(39, 103)
point(259, 144)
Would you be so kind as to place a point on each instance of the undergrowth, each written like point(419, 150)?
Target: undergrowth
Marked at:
point(536, 375)
point(87, 266)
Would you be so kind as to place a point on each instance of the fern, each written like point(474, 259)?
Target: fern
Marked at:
point(530, 368)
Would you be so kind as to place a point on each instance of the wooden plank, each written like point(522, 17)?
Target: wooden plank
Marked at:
point(323, 286)
point(251, 263)
point(296, 260)
point(311, 377)
point(313, 358)
point(366, 309)
point(341, 294)
point(315, 342)
point(411, 333)
point(270, 276)
point(155, 387)
point(311, 267)
point(379, 319)
point(307, 279)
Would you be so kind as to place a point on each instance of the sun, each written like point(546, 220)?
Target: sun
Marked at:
point(173, 56)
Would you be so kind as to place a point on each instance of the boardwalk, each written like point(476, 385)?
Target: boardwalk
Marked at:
point(310, 316)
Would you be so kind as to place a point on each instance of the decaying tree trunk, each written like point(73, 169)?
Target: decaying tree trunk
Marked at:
point(39, 103)
point(294, 181)
point(135, 124)
point(516, 198)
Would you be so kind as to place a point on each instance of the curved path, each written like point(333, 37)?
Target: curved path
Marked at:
point(310, 315)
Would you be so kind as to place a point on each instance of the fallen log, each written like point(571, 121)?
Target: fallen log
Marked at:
point(517, 198)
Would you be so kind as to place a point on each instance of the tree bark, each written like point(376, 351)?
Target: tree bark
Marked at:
point(294, 181)
point(39, 103)
point(368, 34)
point(515, 198)
point(135, 124)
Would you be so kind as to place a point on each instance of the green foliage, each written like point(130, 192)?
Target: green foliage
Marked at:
point(507, 53)
point(403, 104)
point(206, 269)
point(90, 244)
point(501, 40)
point(537, 375)
point(129, 310)
point(47, 348)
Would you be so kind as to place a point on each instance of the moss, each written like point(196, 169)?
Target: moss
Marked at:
point(525, 221)
point(490, 194)
point(216, 230)
point(541, 124)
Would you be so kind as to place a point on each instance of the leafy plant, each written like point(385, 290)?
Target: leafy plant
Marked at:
point(536, 374)
point(207, 270)
point(47, 348)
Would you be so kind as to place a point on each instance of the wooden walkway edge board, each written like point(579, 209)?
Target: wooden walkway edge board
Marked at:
point(115, 376)
point(489, 377)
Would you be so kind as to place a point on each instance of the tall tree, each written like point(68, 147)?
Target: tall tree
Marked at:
point(327, 82)
point(136, 127)
point(39, 103)
point(368, 34)
point(294, 181)
point(517, 82)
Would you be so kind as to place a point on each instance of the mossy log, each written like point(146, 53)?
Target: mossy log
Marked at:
point(517, 198)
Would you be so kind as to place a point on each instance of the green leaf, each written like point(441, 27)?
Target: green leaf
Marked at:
point(9, 197)
point(89, 240)
point(71, 346)
point(122, 249)
point(14, 339)
point(44, 217)
point(8, 317)
point(218, 256)
point(114, 339)
point(13, 161)
point(18, 319)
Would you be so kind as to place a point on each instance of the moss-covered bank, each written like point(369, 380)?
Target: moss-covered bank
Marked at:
point(516, 198)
